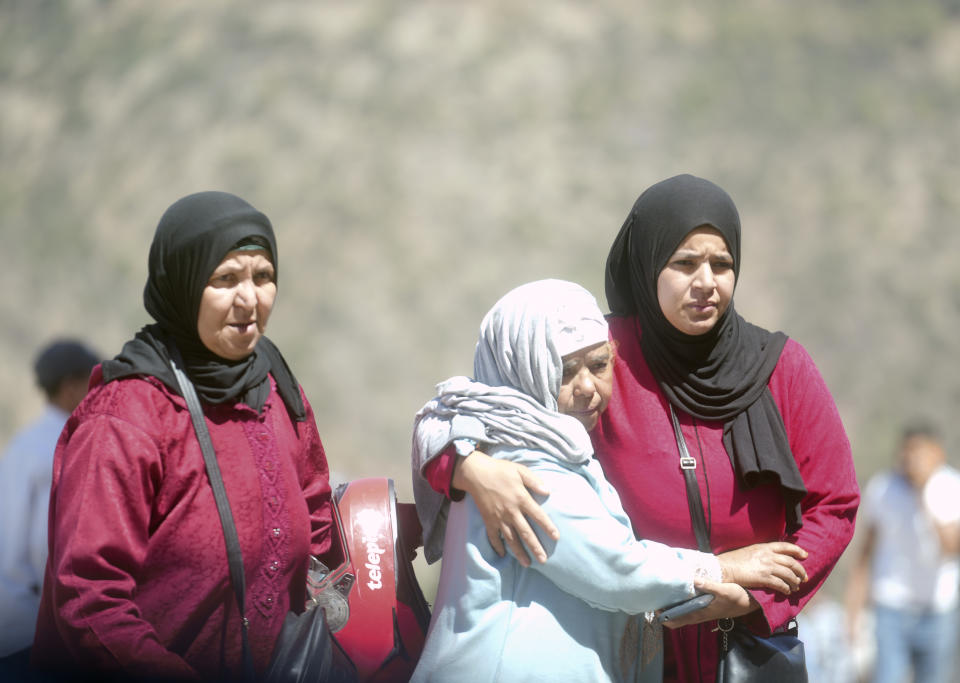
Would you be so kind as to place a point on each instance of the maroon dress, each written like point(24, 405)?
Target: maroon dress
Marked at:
point(137, 582)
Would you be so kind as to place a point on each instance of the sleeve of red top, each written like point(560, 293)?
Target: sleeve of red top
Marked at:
point(315, 482)
point(439, 474)
point(99, 552)
point(825, 460)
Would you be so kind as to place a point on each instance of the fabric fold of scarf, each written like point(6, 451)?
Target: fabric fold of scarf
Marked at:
point(464, 408)
point(150, 351)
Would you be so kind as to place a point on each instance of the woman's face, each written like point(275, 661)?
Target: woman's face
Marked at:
point(695, 287)
point(587, 383)
point(236, 304)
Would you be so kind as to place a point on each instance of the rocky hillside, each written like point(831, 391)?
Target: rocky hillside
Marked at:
point(420, 158)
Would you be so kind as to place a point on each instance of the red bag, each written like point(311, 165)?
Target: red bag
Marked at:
point(374, 605)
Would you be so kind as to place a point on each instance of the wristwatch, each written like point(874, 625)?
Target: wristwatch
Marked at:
point(464, 447)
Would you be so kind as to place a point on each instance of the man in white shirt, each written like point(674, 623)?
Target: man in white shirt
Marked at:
point(909, 562)
point(62, 371)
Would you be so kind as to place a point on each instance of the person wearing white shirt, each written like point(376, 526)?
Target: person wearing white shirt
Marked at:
point(62, 371)
point(908, 567)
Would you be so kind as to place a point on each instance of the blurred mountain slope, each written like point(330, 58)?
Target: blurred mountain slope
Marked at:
point(418, 159)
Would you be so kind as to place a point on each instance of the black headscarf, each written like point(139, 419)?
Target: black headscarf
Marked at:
point(192, 238)
point(721, 374)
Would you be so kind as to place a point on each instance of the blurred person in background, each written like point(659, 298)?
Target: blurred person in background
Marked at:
point(62, 371)
point(831, 656)
point(137, 582)
point(907, 570)
point(773, 461)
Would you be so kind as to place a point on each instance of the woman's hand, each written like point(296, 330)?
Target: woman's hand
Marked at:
point(501, 491)
point(765, 565)
point(730, 600)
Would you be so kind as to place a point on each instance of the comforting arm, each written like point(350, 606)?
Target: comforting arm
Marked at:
point(597, 558)
point(504, 494)
point(501, 489)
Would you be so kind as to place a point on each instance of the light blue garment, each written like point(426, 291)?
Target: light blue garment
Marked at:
point(923, 642)
point(26, 471)
point(569, 619)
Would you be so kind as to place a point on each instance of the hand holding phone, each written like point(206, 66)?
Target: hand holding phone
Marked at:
point(684, 608)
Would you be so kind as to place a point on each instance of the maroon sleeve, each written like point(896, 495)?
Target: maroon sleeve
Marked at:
point(439, 474)
point(98, 552)
point(825, 460)
point(315, 481)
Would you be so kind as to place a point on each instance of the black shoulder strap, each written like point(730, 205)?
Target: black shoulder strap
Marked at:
point(688, 465)
point(232, 540)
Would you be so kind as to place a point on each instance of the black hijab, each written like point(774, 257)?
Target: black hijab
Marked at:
point(722, 374)
point(192, 238)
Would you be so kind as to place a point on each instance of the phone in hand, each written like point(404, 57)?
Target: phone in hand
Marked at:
point(684, 608)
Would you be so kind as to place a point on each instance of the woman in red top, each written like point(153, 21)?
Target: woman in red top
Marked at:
point(137, 583)
point(773, 460)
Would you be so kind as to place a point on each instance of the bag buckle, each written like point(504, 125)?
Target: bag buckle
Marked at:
point(724, 625)
point(688, 463)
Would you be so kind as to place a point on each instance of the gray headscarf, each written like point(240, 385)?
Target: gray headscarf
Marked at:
point(513, 399)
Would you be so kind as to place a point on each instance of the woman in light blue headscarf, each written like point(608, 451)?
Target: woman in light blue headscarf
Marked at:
point(543, 374)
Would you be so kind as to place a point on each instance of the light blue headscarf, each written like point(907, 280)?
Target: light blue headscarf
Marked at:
point(513, 399)
point(528, 331)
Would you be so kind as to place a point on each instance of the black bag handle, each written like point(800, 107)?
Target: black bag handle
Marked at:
point(230, 536)
point(688, 465)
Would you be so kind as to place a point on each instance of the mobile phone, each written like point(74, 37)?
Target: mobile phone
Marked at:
point(685, 607)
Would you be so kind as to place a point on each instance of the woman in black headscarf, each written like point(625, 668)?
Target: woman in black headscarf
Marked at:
point(773, 461)
point(769, 454)
point(137, 584)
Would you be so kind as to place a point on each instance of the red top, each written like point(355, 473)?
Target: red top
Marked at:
point(439, 473)
point(137, 579)
point(635, 443)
